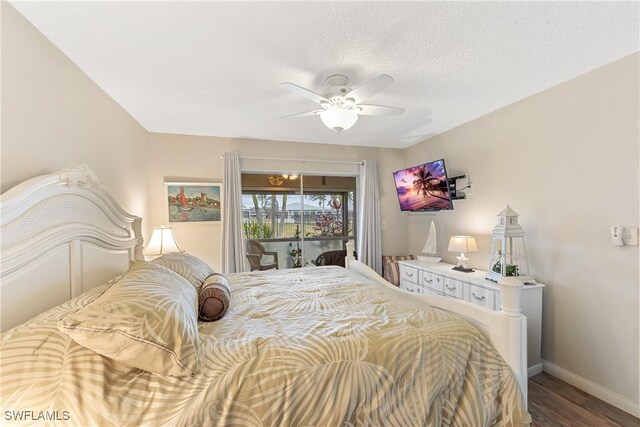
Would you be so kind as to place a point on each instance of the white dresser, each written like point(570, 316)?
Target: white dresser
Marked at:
point(439, 279)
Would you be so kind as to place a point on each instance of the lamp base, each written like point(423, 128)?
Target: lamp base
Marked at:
point(463, 269)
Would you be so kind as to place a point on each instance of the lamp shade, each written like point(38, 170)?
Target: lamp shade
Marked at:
point(339, 119)
point(162, 242)
point(462, 244)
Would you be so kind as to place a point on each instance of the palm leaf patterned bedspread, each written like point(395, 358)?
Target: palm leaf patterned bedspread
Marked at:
point(317, 346)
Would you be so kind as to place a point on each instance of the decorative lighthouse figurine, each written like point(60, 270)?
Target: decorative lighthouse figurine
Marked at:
point(508, 252)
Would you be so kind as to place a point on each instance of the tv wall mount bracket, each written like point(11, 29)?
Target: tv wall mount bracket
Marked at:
point(457, 194)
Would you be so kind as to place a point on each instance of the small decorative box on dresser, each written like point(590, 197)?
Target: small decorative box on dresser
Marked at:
point(439, 279)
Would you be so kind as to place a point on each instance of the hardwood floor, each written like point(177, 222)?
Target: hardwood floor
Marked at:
point(554, 403)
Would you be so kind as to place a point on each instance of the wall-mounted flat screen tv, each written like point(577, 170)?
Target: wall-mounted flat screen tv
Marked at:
point(423, 187)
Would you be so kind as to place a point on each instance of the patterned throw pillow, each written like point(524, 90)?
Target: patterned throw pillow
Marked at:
point(392, 273)
point(391, 268)
point(148, 320)
point(213, 301)
point(191, 268)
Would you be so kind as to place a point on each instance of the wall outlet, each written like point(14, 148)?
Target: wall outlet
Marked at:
point(630, 236)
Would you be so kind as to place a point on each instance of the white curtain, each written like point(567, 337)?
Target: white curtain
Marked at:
point(232, 242)
point(369, 225)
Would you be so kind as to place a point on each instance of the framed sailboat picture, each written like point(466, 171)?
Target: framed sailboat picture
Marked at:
point(193, 202)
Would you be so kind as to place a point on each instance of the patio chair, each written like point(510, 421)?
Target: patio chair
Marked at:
point(331, 258)
point(254, 251)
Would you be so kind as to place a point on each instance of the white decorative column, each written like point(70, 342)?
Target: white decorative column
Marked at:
point(511, 295)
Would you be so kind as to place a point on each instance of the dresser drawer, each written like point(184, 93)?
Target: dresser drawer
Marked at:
point(480, 296)
point(433, 281)
point(428, 291)
point(409, 287)
point(408, 274)
point(453, 288)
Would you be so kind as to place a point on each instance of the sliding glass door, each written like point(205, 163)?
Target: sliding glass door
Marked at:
point(299, 217)
point(329, 221)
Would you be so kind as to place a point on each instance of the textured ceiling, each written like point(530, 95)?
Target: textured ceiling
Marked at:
point(215, 68)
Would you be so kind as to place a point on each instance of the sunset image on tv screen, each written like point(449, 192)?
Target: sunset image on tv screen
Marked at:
point(423, 187)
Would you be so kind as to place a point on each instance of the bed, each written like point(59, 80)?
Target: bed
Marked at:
point(317, 346)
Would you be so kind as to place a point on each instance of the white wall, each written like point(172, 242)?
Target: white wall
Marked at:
point(196, 158)
point(53, 115)
point(567, 161)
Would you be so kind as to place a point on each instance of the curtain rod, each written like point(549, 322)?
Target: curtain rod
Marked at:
point(287, 159)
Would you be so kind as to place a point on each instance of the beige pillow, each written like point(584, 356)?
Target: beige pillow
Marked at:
point(188, 266)
point(148, 320)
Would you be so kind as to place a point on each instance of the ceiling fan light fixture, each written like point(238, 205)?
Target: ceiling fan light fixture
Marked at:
point(276, 180)
point(339, 119)
point(342, 105)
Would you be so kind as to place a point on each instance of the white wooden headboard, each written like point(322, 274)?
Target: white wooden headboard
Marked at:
point(60, 235)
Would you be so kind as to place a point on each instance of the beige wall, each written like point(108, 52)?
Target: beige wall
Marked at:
point(195, 158)
point(567, 161)
point(53, 115)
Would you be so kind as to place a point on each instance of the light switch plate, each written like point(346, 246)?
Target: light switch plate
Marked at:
point(630, 236)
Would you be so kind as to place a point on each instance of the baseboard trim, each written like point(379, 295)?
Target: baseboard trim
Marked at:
point(535, 369)
point(593, 389)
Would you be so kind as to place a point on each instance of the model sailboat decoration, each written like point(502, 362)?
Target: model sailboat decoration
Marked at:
point(430, 246)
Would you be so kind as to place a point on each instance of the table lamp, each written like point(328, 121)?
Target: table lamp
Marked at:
point(162, 242)
point(462, 244)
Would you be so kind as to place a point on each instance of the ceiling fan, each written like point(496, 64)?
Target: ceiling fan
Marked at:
point(342, 105)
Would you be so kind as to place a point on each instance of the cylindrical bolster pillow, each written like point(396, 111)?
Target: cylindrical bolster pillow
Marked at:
point(213, 301)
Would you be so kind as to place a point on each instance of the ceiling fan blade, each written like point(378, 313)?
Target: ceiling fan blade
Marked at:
point(370, 88)
point(378, 110)
point(307, 114)
point(305, 92)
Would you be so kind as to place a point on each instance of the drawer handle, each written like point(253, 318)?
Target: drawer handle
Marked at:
point(451, 288)
point(409, 274)
point(476, 297)
point(428, 281)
